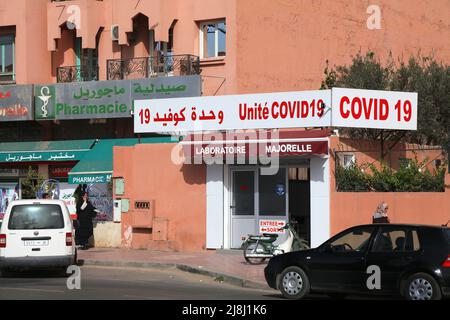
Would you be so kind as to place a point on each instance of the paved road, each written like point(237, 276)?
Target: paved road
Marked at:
point(126, 283)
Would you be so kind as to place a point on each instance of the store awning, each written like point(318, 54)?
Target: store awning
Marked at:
point(256, 145)
point(44, 151)
point(97, 165)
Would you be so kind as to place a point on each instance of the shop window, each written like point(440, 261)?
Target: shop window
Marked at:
point(437, 163)
point(298, 174)
point(272, 194)
point(348, 160)
point(213, 39)
point(244, 193)
point(7, 67)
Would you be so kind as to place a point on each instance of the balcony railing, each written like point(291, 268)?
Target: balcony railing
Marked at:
point(76, 73)
point(169, 65)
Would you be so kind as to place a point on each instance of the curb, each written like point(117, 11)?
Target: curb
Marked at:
point(237, 281)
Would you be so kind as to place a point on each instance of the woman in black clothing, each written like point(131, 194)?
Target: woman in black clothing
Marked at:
point(86, 212)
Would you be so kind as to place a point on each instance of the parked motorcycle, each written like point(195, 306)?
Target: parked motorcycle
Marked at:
point(257, 248)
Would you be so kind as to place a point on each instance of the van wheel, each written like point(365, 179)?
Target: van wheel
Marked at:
point(294, 283)
point(421, 286)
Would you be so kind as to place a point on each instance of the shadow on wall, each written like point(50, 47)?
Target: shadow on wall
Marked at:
point(318, 175)
point(194, 173)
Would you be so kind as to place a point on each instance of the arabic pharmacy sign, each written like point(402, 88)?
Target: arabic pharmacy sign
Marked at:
point(16, 103)
point(250, 111)
point(107, 99)
point(50, 156)
point(350, 108)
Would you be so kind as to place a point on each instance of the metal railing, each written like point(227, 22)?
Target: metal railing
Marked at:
point(168, 65)
point(76, 73)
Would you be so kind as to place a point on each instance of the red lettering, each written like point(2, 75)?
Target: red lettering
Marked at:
point(305, 110)
point(356, 101)
point(367, 108)
point(320, 107)
point(384, 109)
point(275, 113)
point(242, 111)
point(346, 114)
point(283, 110)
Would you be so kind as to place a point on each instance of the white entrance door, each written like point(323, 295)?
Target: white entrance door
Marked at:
point(255, 198)
point(243, 204)
point(273, 192)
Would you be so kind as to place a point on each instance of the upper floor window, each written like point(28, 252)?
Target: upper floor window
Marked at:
point(347, 159)
point(7, 58)
point(213, 39)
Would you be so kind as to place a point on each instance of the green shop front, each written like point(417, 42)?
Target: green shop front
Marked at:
point(26, 167)
point(60, 165)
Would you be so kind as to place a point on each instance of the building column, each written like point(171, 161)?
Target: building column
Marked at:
point(320, 200)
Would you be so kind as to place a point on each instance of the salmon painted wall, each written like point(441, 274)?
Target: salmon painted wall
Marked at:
point(352, 208)
point(271, 45)
point(65, 54)
point(284, 45)
point(178, 193)
point(368, 151)
point(32, 59)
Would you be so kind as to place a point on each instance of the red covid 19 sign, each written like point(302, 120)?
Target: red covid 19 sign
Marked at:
point(374, 109)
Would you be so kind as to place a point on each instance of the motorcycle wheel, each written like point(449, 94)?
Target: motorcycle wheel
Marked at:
point(252, 248)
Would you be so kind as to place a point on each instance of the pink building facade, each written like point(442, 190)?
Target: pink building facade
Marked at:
point(231, 46)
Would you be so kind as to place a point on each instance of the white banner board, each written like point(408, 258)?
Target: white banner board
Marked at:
point(374, 109)
point(232, 112)
point(349, 108)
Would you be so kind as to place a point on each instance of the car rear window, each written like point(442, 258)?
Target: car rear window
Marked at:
point(36, 216)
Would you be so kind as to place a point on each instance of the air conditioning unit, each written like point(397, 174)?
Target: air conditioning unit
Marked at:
point(115, 32)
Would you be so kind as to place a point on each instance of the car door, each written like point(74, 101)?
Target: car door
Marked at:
point(394, 250)
point(339, 264)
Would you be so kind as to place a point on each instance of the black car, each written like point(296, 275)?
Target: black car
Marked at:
point(388, 259)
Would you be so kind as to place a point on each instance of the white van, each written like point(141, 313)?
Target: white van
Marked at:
point(37, 233)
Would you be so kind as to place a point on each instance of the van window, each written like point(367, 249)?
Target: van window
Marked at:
point(36, 216)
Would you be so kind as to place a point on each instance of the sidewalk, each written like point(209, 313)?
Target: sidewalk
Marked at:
point(229, 267)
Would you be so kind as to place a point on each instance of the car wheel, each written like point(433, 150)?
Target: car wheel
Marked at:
point(294, 283)
point(422, 286)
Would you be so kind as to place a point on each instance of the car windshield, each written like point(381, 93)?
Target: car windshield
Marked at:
point(356, 240)
point(36, 216)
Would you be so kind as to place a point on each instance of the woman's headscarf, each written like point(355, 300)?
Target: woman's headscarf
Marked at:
point(381, 210)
